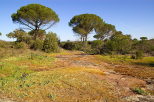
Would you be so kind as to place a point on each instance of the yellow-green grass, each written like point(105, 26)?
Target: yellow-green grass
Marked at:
point(62, 85)
point(141, 68)
point(146, 61)
point(64, 52)
point(125, 59)
point(19, 81)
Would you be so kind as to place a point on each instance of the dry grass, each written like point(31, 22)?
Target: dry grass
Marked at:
point(144, 73)
point(64, 52)
point(33, 78)
point(125, 59)
point(141, 68)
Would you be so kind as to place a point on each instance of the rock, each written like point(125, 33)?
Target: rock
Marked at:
point(149, 81)
point(132, 99)
point(140, 98)
point(6, 100)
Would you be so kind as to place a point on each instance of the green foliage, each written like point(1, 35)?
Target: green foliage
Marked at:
point(51, 43)
point(143, 38)
point(35, 16)
point(20, 35)
point(78, 45)
point(151, 43)
point(5, 44)
point(139, 54)
point(126, 59)
point(143, 45)
point(104, 31)
point(87, 49)
point(71, 45)
point(0, 33)
point(84, 24)
point(19, 45)
point(139, 91)
point(38, 34)
point(119, 43)
point(96, 46)
point(37, 44)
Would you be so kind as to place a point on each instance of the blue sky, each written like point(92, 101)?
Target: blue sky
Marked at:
point(135, 17)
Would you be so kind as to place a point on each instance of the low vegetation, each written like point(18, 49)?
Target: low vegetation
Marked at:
point(126, 59)
point(38, 67)
point(139, 91)
point(140, 68)
point(32, 77)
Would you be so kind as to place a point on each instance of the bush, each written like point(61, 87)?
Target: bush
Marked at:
point(92, 47)
point(96, 46)
point(121, 44)
point(37, 44)
point(40, 34)
point(71, 45)
point(139, 91)
point(20, 35)
point(139, 54)
point(4, 44)
point(87, 49)
point(51, 43)
point(19, 45)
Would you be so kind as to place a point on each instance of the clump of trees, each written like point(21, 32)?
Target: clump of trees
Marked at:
point(109, 40)
point(49, 43)
point(118, 43)
point(35, 18)
point(84, 24)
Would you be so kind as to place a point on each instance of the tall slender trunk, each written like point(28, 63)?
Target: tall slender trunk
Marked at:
point(36, 33)
point(86, 41)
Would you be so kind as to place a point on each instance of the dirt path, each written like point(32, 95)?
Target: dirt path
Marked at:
point(123, 83)
point(6, 100)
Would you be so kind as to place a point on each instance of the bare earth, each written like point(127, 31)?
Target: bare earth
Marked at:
point(122, 83)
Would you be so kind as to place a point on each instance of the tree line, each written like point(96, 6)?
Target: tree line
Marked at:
point(36, 19)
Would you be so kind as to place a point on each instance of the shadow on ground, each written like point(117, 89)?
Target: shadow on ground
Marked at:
point(145, 64)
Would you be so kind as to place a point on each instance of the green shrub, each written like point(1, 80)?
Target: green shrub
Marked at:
point(139, 54)
point(39, 34)
point(87, 49)
point(4, 44)
point(20, 35)
point(37, 44)
point(71, 45)
point(139, 91)
point(19, 45)
point(96, 46)
point(51, 43)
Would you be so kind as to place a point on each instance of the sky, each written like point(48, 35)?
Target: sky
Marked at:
point(134, 17)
